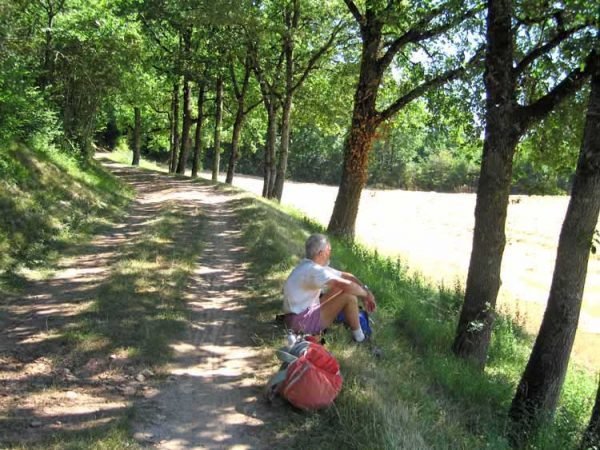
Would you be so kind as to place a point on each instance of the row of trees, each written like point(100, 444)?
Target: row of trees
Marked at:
point(276, 79)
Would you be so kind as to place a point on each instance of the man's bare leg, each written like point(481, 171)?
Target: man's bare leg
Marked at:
point(334, 302)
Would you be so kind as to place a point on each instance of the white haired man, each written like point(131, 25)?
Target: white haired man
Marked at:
point(314, 293)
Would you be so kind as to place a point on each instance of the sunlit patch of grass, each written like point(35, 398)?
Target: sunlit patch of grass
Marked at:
point(123, 155)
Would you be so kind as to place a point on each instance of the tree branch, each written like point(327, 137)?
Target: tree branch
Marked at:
point(236, 89)
point(543, 49)
point(539, 19)
point(267, 90)
point(417, 34)
point(427, 85)
point(355, 12)
point(153, 34)
point(316, 56)
point(529, 114)
point(251, 107)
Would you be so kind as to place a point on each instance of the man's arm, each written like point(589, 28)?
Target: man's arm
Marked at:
point(356, 287)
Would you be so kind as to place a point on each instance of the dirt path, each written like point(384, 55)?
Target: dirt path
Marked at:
point(211, 397)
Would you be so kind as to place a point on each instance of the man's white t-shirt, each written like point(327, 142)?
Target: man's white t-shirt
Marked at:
point(303, 286)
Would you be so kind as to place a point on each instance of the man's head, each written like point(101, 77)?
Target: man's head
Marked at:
point(318, 248)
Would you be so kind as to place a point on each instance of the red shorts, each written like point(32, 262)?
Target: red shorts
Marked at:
point(308, 321)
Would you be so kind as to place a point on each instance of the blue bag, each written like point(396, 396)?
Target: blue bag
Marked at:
point(363, 317)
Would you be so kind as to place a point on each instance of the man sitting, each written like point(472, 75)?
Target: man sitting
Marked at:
point(314, 293)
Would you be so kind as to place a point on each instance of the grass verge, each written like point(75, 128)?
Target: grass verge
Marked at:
point(417, 395)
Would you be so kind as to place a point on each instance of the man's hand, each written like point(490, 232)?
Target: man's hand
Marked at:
point(369, 301)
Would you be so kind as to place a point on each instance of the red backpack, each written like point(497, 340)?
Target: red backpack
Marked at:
point(310, 376)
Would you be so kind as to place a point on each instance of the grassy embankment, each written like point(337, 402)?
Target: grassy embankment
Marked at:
point(415, 396)
point(48, 201)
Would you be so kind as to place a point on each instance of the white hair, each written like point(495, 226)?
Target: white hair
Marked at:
point(314, 244)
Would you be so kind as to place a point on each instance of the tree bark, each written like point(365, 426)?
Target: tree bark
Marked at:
point(591, 436)
point(186, 127)
point(196, 162)
point(270, 145)
point(52, 9)
point(284, 149)
point(376, 57)
point(483, 281)
point(137, 131)
point(173, 156)
point(240, 116)
point(218, 123)
point(539, 389)
point(506, 121)
point(362, 134)
point(292, 16)
point(235, 141)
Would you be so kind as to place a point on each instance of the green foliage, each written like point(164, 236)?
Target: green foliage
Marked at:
point(546, 159)
point(94, 48)
point(315, 157)
point(414, 152)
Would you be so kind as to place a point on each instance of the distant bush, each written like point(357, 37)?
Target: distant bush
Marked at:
point(528, 179)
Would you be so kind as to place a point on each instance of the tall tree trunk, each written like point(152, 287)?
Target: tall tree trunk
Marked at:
point(175, 133)
point(272, 147)
point(196, 163)
point(539, 389)
point(186, 127)
point(218, 124)
point(591, 436)
point(235, 141)
point(483, 280)
point(354, 177)
point(291, 17)
point(137, 132)
point(283, 149)
point(270, 143)
point(48, 64)
point(506, 121)
point(52, 8)
point(240, 95)
point(360, 138)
